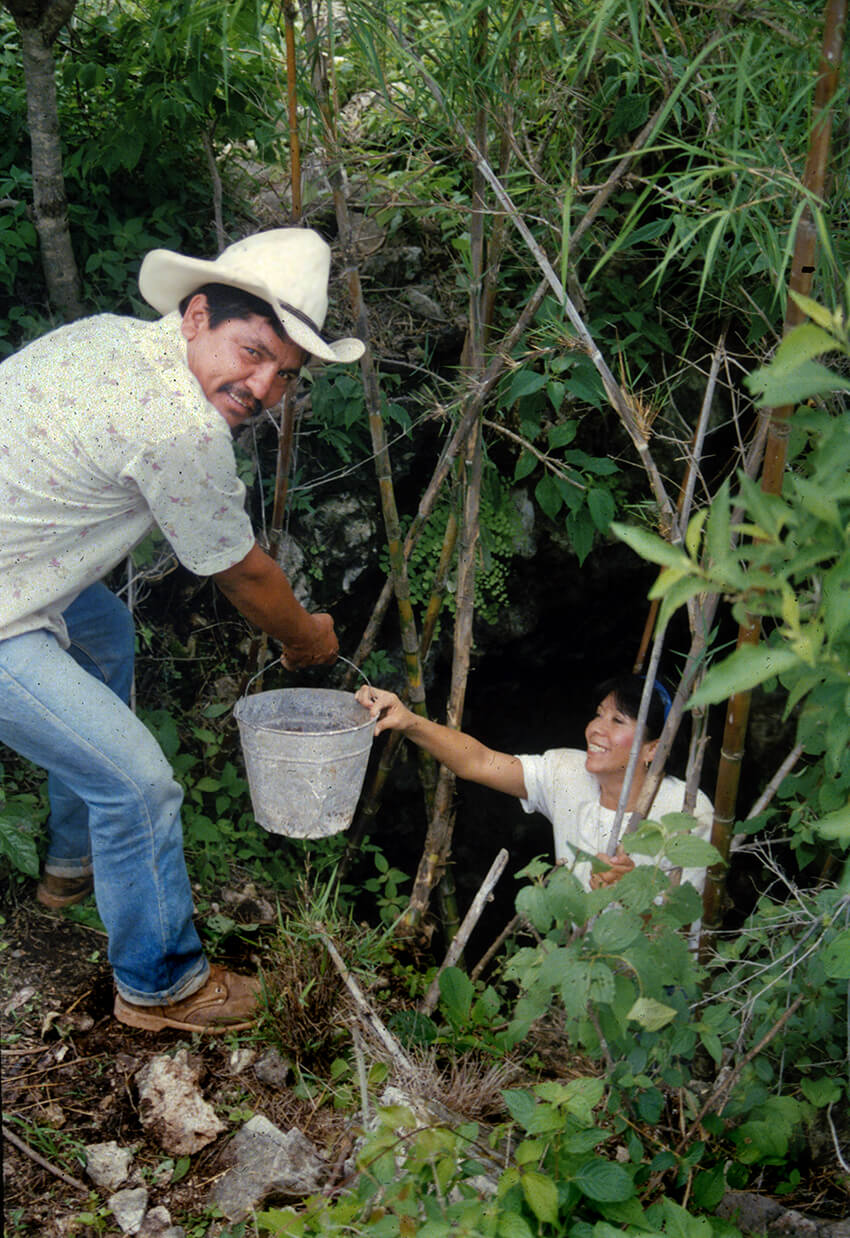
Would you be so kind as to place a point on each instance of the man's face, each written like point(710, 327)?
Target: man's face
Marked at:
point(242, 365)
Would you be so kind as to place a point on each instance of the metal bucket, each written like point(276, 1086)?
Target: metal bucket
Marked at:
point(306, 751)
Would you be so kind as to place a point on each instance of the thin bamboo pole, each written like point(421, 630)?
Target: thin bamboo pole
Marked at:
point(292, 111)
point(371, 388)
point(286, 432)
point(439, 834)
point(470, 920)
point(802, 272)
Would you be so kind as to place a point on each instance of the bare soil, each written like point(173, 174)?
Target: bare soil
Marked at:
point(68, 1071)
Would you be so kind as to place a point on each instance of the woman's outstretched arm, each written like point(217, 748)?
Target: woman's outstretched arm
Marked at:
point(465, 756)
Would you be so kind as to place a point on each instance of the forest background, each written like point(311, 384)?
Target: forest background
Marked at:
point(568, 233)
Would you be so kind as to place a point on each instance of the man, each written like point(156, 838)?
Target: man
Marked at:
point(108, 427)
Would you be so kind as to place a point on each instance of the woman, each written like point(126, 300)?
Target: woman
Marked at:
point(577, 791)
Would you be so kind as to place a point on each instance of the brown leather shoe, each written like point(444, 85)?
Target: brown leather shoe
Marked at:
point(58, 892)
point(226, 1003)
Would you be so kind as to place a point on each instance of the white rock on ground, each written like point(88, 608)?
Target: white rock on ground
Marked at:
point(171, 1107)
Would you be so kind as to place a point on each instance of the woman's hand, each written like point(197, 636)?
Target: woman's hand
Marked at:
point(618, 866)
point(386, 707)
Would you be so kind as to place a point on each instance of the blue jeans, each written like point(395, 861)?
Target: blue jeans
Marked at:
point(114, 803)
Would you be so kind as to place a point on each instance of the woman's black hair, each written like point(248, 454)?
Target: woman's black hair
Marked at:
point(224, 301)
point(627, 691)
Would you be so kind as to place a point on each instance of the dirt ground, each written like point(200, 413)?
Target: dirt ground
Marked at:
point(68, 1071)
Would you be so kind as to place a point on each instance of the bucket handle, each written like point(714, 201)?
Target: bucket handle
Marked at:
point(340, 657)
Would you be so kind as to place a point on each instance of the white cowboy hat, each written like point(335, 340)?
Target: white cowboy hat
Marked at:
point(286, 267)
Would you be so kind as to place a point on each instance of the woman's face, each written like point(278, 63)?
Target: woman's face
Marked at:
point(609, 740)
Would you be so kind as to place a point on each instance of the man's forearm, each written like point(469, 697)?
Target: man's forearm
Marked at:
point(260, 591)
point(267, 600)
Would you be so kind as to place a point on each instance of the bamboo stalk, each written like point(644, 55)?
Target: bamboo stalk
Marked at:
point(463, 934)
point(686, 490)
point(292, 111)
point(371, 801)
point(371, 388)
point(802, 272)
point(438, 837)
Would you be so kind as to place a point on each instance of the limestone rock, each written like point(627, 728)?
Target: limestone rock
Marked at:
point(171, 1107)
point(128, 1208)
point(157, 1224)
point(273, 1069)
point(268, 1163)
point(108, 1165)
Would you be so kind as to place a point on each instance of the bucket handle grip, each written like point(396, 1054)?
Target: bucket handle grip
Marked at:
point(340, 658)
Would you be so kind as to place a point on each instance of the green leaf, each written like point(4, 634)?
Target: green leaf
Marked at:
point(616, 929)
point(18, 845)
point(511, 1225)
point(687, 851)
point(548, 496)
point(822, 1091)
point(817, 501)
point(521, 1105)
point(835, 825)
point(541, 1195)
point(709, 1188)
point(564, 433)
point(824, 317)
point(694, 532)
point(457, 991)
point(532, 904)
point(679, 1223)
point(575, 987)
point(742, 670)
point(604, 1181)
point(835, 957)
point(601, 505)
point(602, 988)
point(181, 1167)
point(525, 382)
point(807, 379)
point(718, 532)
point(652, 547)
point(680, 592)
point(760, 1141)
point(207, 784)
point(525, 464)
point(650, 1014)
point(580, 531)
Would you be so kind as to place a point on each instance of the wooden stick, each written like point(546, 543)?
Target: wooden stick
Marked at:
point(469, 922)
point(39, 1160)
point(370, 1018)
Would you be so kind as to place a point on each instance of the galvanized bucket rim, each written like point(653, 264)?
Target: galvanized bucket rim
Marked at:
point(255, 726)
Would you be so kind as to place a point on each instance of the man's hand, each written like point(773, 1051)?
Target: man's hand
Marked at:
point(618, 866)
point(321, 645)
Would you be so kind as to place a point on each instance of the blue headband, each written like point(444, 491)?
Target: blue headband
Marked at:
point(663, 696)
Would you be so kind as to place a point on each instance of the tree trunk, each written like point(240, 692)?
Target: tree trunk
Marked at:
point(38, 25)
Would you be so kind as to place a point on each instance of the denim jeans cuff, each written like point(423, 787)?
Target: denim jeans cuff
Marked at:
point(66, 867)
point(195, 979)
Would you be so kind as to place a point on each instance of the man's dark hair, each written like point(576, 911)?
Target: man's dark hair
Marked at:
point(627, 691)
point(226, 302)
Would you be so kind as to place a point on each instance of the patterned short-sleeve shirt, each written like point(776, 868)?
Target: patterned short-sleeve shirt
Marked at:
point(105, 433)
